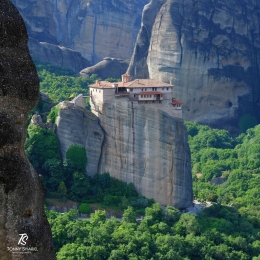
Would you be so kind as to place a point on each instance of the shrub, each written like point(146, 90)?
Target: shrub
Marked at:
point(77, 154)
point(84, 208)
point(54, 113)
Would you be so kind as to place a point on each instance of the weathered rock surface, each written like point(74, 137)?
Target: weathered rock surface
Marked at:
point(95, 28)
point(37, 120)
point(210, 51)
point(134, 144)
point(148, 148)
point(21, 193)
point(57, 55)
point(109, 67)
point(76, 125)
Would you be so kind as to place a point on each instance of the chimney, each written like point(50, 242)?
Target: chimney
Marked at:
point(171, 81)
point(97, 82)
point(125, 78)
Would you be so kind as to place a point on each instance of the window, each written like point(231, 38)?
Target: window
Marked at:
point(167, 88)
point(142, 89)
point(155, 88)
point(145, 89)
point(162, 88)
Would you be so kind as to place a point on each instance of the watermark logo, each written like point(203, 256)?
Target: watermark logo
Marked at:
point(23, 239)
point(21, 248)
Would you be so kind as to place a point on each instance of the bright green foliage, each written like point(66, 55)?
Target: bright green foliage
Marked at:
point(84, 208)
point(98, 217)
point(54, 113)
point(77, 154)
point(41, 145)
point(60, 84)
point(246, 122)
point(172, 215)
point(239, 165)
point(218, 233)
point(129, 215)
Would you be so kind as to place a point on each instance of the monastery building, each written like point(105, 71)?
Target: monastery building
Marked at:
point(147, 92)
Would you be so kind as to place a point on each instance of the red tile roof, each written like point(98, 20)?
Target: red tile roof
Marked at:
point(141, 83)
point(150, 93)
point(176, 102)
point(137, 83)
point(106, 84)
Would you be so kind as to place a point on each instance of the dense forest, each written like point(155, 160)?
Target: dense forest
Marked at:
point(225, 172)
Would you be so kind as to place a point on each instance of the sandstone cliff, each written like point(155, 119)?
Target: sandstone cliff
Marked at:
point(95, 28)
point(210, 51)
point(107, 68)
point(135, 144)
point(76, 125)
point(21, 193)
point(57, 55)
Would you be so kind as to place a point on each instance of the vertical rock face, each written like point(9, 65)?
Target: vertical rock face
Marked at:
point(57, 55)
point(76, 125)
point(210, 51)
point(21, 193)
point(148, 148)
point(95, 28)
point(107, 68)
point(134, 144)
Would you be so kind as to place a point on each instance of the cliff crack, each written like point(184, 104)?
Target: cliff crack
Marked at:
point(93, 56)
point(180, 33)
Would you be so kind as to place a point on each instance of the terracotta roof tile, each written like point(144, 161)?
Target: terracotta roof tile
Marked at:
point(141, 83)
point(137, 83)
point(176, 102)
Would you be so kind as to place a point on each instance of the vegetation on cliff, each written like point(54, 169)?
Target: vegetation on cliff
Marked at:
point(227, 230)
point(60, 83)
point(215, 154)
point(217, 233)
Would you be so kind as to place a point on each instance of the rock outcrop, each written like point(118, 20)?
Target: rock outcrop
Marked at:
point(76, 125)
point(95, 28)
point(57, 55)
point(107, 68)
point(21, 192)
point(134, 144)
point(210, 52)
point(147, 147)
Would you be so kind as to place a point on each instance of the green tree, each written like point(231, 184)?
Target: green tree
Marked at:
point(129, 215)
point(54, 114)
point(77, 154)
point(246, 122)
point(80, 187)
point(84, 208)
point(99, 216)
point(41, 145)
point(62, 190)
point(53, 174)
